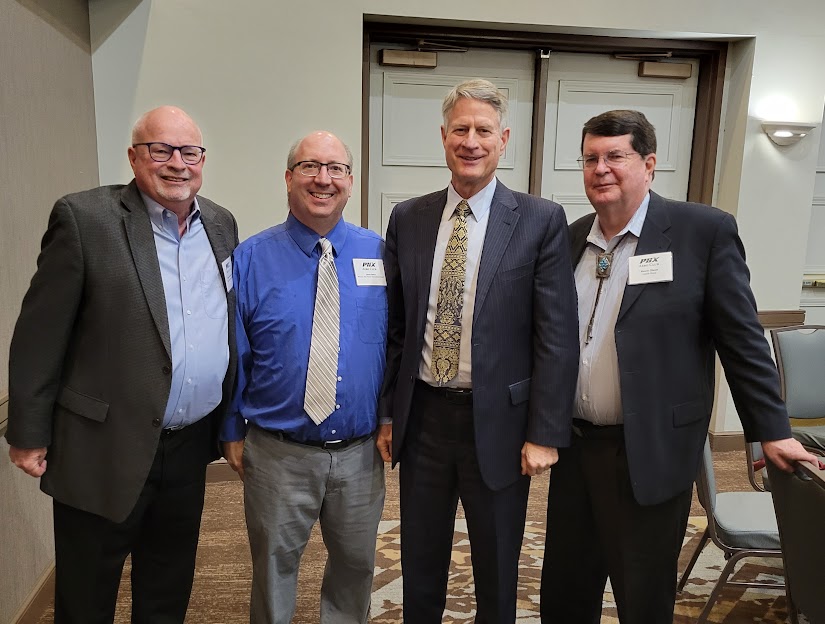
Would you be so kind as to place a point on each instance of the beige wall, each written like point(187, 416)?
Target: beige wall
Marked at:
point(265, 75)
point(48, 149)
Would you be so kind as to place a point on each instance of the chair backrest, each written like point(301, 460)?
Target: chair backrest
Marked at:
point(706, 482)
point(800, 508)
point(800, 358)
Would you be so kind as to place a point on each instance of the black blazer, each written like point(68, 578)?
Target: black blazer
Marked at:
point(90, 360)
point(525, 347)
point(666, 336)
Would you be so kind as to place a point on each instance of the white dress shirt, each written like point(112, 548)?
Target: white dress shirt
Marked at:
point(476, 231)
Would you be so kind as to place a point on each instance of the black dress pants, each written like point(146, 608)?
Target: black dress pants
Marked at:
point(438, 466)
point(596, 529)
point(161, 533)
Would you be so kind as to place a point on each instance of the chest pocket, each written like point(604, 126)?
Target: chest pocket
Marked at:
point(372, 320)
point(214, 299)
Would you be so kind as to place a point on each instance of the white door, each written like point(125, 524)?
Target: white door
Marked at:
point(581, 86)
point(406, 155)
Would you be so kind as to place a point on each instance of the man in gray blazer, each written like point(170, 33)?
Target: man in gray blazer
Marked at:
point(481, 360)
point(121, 366)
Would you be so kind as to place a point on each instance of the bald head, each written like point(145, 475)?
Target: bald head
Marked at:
point(166, 117)
point(318, 135)
point(172, 182)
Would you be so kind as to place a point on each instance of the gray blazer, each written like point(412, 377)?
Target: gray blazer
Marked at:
point(525, 350)
point(90, 361)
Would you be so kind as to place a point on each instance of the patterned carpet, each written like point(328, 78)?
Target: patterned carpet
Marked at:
point(223, 578)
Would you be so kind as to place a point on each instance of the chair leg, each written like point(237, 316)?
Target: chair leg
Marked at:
point(686, 574)
point(723, 578)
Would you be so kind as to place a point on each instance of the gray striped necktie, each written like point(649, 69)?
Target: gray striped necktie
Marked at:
point(322, 372)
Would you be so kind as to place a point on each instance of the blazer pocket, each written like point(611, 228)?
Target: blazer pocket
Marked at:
point(519, 271)
point(82, 405)
point(520, 391)
point(687, 413)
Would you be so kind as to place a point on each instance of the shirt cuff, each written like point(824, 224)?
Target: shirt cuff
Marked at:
point(233, 428)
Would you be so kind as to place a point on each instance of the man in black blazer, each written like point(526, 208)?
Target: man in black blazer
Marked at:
point(481, 361)
point(663, 287)
point(121, 367)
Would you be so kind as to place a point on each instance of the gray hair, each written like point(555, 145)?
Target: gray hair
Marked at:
point(476, 89)
point(291, 156)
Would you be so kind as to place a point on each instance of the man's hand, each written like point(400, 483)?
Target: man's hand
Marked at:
point(537, 459)
point(384, 442)
point(30, 461)
point(233, 451)
point(785, 453)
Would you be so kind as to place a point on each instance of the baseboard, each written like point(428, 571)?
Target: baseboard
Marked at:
point(41, 596)
point(219, 471)
point(727, 441)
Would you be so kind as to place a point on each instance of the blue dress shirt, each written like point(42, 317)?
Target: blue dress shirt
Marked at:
point(275, 274)
point(196, 308)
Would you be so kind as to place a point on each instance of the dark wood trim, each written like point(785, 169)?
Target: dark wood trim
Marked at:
point(712, 57)
point(727, 441)
point(365, 131)
point(706, 128)
point(539, 122)
point(219, 471)
point(41, 598)
point(773, 319)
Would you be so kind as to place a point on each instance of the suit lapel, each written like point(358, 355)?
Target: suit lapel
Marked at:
point(578, 237)
point(214, 232)
point(144, 254)
point(502, 221)
point(429, 220)
point(652, 240)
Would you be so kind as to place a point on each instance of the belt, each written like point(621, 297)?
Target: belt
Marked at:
point(587, 430)
point(457, 396)
point(329, 446)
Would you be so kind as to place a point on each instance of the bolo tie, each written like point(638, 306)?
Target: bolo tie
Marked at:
point(604, 262)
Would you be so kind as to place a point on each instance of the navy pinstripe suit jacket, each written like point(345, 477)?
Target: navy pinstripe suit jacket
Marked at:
point(525, 331)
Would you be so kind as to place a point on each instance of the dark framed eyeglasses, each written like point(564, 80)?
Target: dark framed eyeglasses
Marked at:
point(613, 158)
point(162, 152)
point(312, 168)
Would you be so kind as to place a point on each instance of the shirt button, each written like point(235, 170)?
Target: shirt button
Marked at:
point(180, 411)
point(189, 381)
point(584, 397)
point(191, 347)
point(333, 431)
point(337, 407)
point(340, 378)
point(189, 311)
point(184, 278)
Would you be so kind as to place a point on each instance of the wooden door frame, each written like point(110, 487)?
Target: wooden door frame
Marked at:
point(712, 57)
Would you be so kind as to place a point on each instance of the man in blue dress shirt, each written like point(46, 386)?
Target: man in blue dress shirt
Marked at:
point(301, 461)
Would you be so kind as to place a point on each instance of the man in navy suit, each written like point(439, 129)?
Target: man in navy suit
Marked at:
point(662, 287)
point(481, 361)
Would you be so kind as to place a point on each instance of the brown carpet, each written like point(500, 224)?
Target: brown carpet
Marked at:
point(223, 577)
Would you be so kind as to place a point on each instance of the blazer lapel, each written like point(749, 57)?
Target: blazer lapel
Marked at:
point(429, 220)
point(502, 221)
point(214, 232)
point(578, 237)
point(144, 254)
point(652, 240)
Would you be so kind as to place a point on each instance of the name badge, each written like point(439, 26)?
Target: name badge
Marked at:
point(226, 265)
point(369, 272)
point(651, 268)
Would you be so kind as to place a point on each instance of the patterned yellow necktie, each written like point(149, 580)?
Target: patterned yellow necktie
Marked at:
point(447, 326)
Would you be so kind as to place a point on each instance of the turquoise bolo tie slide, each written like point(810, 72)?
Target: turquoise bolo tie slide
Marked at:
point(603, 264)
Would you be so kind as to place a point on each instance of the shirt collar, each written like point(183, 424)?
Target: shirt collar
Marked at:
point(307, 239)
point(156, 212)
point(479, 203)
point(634, 226)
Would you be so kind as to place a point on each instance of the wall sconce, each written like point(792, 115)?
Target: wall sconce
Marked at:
point(786, 132)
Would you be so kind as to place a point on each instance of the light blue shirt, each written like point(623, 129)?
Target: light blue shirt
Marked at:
point(197, 313)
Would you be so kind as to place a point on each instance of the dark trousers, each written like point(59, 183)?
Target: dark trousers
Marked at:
point(439, 466)
point(161, 533)
point(596, 529)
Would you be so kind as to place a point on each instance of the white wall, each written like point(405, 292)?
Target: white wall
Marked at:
point(263, 73)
